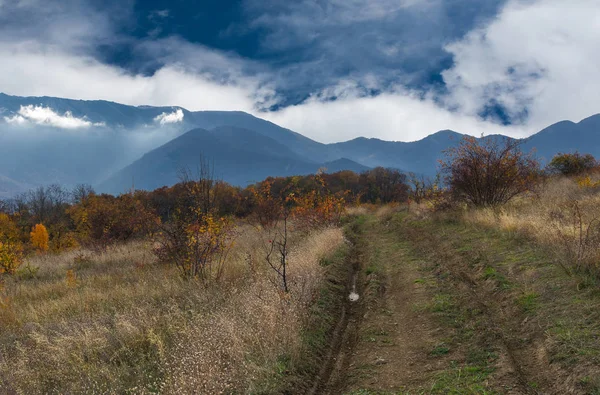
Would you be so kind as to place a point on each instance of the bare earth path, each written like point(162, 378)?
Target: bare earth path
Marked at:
point(443, 309)
point(396, 339)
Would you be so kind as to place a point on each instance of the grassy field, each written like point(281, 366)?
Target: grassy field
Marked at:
point(467, 301)
point(118, 322)
point(496, 304)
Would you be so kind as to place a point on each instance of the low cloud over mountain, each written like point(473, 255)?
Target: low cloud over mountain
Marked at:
point(148, 145)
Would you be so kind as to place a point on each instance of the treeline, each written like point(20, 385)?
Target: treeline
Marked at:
point(83, 217)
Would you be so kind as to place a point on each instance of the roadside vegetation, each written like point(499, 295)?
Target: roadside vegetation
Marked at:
point(506, 290)
point(484, 280)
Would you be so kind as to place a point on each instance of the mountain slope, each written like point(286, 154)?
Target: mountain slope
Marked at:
point(301, 145)
point(238, 156)
point(39, 149)
point(9, 187)
point(419, 156)
point(567, 137)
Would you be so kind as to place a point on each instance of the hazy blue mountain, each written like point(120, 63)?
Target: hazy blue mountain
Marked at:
point(344, 164)
point(40, 151)
point(39, 144)
point(123, 117)
point(9, 187)
point(567, 137)
point(238, 156)
point(419, 156)
point(296, 142)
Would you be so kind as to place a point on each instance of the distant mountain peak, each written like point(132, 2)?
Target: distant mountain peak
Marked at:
point(245, 146)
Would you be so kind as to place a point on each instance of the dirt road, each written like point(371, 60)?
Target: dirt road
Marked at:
point(435, 315)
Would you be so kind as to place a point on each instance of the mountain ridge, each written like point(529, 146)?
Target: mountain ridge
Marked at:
point(118, 135)
point(222, 149)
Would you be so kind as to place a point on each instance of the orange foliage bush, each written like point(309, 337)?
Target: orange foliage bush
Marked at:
point(105, 219)
point(11, 250)
point(318, 207)
point(196, 239)
point(39, 238)
point(198, 248)
point(10, 257)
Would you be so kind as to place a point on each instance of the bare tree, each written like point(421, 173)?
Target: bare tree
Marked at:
point(422, 187)
point(271, 216)
point(277, 253)
point(38, 201)
point(81, 192)
point(489, 171)
point(195, 239)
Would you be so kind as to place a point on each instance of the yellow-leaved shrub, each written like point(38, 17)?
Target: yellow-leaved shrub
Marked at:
point(39, 238)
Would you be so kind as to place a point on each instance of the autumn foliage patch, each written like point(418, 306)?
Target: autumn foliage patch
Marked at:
point(572, 164)
point(39, 238)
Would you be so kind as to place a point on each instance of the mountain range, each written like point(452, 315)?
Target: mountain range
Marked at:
point(46, 140)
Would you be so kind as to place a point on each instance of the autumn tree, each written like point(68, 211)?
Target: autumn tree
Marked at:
point(39, 238)
point(489, 171)
point(318, 207)
point(104, 219)
point(572, 164)
point(81, 192)
point(381, 185)
point(283, 204)
point(196, 239)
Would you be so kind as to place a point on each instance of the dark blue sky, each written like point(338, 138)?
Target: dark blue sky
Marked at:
point(331, 69)
point(213, 23)
point(307, 45)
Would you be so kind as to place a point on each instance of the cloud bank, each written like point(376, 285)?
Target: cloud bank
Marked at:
point(353, 68)
point(535, 61)
point(167, 118)
point(536, 58)
point(45, 116)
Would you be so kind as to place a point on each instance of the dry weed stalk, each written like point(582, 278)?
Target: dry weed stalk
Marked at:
point(563, 216)
point(579, 235)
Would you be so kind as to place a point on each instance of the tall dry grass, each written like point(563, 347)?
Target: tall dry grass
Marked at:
point(563, 217)
point(129, 325)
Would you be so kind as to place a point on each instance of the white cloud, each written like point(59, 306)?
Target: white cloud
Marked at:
point(16, 120)
point(537, 56)
point(398, 115)
point(45, 116)
point(35, 70)
point(166, 118)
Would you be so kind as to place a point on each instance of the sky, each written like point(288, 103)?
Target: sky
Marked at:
point(332, 70)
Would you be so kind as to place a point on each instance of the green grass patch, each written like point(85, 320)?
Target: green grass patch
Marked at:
point(440, 349)
point(463, 380)
point(490, 273)
point(529, 301)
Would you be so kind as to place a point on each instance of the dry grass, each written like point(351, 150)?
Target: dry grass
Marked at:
point(563, 217)
point(130, 325)
point(362, 209)
point(384, 212)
